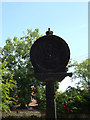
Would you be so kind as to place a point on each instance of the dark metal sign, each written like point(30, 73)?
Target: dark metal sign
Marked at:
point(49, 56)
point(50, 53)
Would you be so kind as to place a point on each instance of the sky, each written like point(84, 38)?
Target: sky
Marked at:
point(68, 20)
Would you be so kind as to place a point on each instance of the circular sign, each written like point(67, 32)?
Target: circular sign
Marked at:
point(49, 53)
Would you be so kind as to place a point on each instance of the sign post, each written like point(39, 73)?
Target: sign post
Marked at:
point(49, 56)
point(50, 101)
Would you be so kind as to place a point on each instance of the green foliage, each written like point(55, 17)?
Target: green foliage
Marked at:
point(17, 54)
point(7, 84)
point(40, 96)
point(60, 101)
point(81, 71)
point(75, 99)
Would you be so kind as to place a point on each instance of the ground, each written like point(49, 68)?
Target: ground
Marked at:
point(24, 113)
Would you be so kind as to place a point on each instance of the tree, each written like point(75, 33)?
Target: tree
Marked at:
point(7, 84)
point(78, 100)
point(17, 54)
point(75, 99)
point(81, 71)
